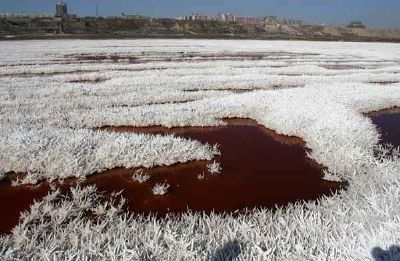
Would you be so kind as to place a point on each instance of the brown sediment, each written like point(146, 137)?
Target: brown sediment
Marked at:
point(283, 86)
point(168, 102)
point(388, 123)
point(259, 169)
point(384, 82)
point(243, 90)
point(50, 62)
point(97, 80)
point(278, 66)
point(340, 67)
point(89, 57)
point(146, 57)
point(223, 89)
point(155, 103)
point(293, 74)
point(43, 74)
point(140, 69)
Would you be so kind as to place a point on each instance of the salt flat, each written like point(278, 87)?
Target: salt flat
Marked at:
point(54, 94)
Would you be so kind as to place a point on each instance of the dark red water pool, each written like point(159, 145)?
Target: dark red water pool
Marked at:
point(259, 169)
point(14, 200)
point(388, 123)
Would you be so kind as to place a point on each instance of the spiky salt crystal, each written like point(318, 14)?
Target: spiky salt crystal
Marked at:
point(160, 189)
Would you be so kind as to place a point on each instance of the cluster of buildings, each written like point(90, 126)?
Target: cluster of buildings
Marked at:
point(61, 12)
point(26, 15)
point(203, 17)
point(133, 17)
point(227, 18)
point(272, 21)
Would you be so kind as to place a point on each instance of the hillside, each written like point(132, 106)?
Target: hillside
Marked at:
point(168, 28)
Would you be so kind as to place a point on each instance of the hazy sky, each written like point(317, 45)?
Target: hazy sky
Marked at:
point(374, 13)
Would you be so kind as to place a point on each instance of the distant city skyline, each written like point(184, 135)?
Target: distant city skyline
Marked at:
point(373, 13)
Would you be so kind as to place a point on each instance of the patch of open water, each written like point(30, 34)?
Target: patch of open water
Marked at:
point(388, 123)
point(259, 169)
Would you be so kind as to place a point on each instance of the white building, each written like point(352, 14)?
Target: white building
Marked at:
point(227, 17)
